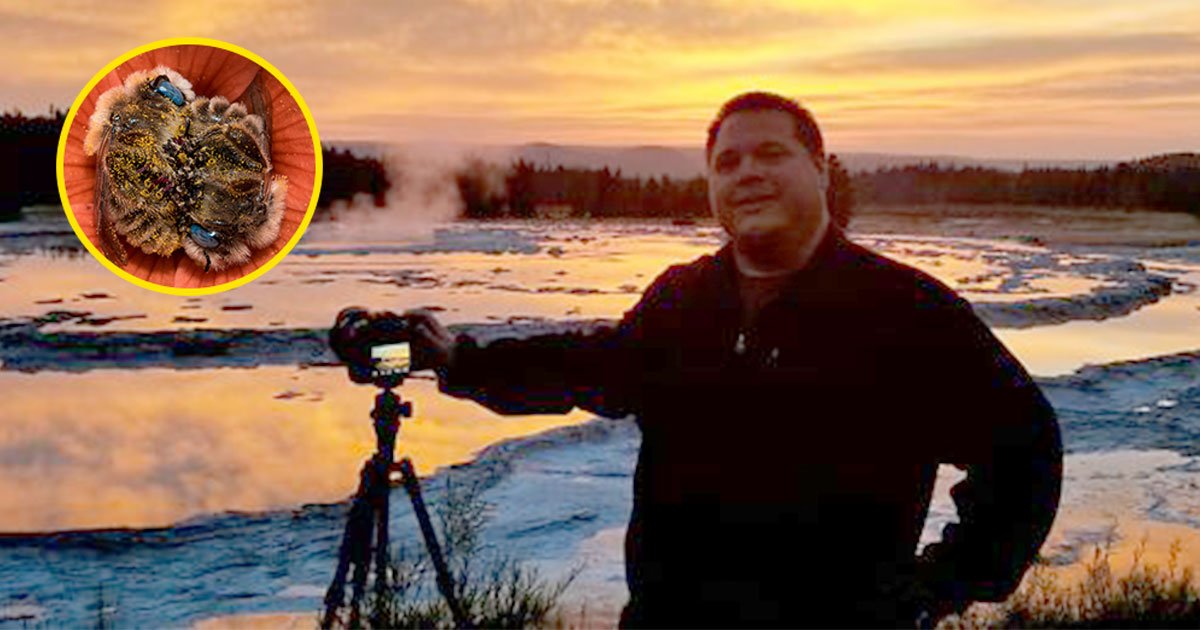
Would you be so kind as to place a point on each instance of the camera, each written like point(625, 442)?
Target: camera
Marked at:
point(375, 346)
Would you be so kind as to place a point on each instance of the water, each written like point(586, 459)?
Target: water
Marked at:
point(147, 448)
point(220, 454)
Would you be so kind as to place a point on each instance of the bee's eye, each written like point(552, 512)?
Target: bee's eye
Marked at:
point(168, 89)
point(203, 237)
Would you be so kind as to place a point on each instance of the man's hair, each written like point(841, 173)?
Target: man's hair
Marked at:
point(806, 126)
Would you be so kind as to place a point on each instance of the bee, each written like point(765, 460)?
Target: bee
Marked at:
point(234, 203)
point(137, 133)
point(175, 171)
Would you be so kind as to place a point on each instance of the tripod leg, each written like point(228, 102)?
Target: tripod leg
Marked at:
point(361, 565)
point(336, 593)
point(444, 580)
point(384, 490)
point(381, 549)
point(374, 525)
point(355, 548)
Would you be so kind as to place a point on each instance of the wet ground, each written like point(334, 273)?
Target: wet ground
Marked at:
point(218, 423)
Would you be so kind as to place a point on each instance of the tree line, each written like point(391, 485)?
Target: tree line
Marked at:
point(346, 175)
point(29, 145)
point(526, 190)
point(521, 189)
point(1167, 182)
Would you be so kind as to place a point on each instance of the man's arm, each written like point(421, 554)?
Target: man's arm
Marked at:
point(548, 373)
point(1002, 431)
point(599, 369)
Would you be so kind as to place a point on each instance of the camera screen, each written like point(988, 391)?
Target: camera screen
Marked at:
point(391, 359)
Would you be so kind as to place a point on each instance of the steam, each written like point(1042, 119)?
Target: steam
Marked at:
point(423, 196)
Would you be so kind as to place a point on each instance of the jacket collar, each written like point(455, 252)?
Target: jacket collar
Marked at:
point(828, 254)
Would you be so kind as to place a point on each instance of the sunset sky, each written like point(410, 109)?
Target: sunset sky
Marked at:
point(1103, 79)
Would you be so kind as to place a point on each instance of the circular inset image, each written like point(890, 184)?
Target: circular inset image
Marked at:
point(189, 166)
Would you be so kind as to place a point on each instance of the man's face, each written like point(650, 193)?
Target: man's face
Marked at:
point(763, 184)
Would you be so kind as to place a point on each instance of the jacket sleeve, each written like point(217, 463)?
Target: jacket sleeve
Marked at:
point(598, 369)
point(1002, 431)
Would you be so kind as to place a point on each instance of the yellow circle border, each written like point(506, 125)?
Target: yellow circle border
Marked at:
point(189, 41)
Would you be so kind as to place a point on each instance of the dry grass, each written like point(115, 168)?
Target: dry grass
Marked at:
point(495, 590)
point(1146, 596)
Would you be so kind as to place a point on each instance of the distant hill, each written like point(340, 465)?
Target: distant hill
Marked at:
point(681, 162)
point(866, 162)
point(640, 161)
point(572, 176)
point(1171, 161)
point(685, 162)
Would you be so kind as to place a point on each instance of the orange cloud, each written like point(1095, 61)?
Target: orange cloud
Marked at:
point(634, 71)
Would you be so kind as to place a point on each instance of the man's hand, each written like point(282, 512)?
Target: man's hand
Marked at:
point(433, 345)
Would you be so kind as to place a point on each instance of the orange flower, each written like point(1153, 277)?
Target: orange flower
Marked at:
point(212, 72)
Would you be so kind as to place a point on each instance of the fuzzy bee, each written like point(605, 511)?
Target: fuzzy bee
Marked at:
point(234, 203)
point(174, 171)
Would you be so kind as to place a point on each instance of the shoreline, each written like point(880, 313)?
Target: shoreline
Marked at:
point(1124, 404)
point(1132, 483)
point(1080, 532)
point(1051, 226)
point(25, 346)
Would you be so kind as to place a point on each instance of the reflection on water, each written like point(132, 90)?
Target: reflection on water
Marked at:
point(586, 272)
point(1166, 327)
point(991, 271)
point(576, 281)
point(151, 447)
point(595, 271)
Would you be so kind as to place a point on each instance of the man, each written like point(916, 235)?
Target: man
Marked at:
point(795, 393)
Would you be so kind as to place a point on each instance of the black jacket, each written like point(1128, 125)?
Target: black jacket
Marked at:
point(784, 479)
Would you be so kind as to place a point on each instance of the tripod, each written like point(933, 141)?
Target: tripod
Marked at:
point(368, 518)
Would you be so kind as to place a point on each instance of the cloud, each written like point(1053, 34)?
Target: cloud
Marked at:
point(1009, 52)
point(1145, 83)
point(446, 31)
point(641, 71)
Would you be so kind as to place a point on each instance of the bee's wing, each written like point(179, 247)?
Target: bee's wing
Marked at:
point(110, 242)
point(258, 102)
